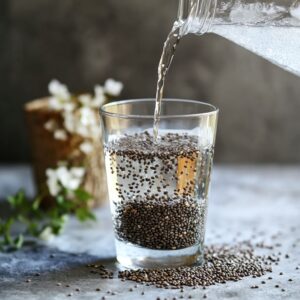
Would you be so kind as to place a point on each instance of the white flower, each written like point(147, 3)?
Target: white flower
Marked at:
point(60, 134)
point(52, 182)
point(82, 130)
point(63, 175)
point(50, 125)
point(96, 131)
point(97, 101)
point(46, 234)
point(86, 147)
point(87, 116)
point(69, 121)
point(79, 119)
point(76, 177)
point(61, 105)
point(56, 104)
point(85, 99)
point(59, 90)
point(77, 172)
point(99, 90)
point(50, 173)
point(74, 184)
point(113, 87)
point(100, 97)
point(69, 106)
point(70, 179)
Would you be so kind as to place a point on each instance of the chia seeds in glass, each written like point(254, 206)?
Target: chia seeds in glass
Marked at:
point(160, 190)
point(158, 187)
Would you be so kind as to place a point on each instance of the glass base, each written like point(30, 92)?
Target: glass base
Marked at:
point(134, 257)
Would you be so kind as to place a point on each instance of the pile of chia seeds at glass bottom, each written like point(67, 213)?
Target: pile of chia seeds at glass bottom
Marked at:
point(222, 263)
point(160, 189)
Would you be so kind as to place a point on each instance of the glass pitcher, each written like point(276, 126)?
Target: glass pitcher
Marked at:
point(269, 28)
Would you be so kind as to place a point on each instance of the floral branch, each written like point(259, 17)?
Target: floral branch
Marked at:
point(64, 183)
point(64, 186)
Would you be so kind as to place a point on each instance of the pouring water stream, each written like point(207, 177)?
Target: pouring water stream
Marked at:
point(270, 30)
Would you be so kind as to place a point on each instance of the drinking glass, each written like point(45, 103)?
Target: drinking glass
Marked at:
point(158, 188)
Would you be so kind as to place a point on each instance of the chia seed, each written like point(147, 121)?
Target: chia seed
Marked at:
point(160, 189)
point(222, 264)
point(100, 270)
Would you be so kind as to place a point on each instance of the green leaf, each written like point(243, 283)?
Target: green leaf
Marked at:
point(57, 224)
point(83, 195)
point(36, 204)
point(35, 219)
point(1, 227)
point(11, 200)
point(6, 231)
point(18, 242)
point(33, 229)
point(17, 200)
point(60, 199)
point(84, 214)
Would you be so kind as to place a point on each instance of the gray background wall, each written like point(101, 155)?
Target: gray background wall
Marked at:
point(84, 42)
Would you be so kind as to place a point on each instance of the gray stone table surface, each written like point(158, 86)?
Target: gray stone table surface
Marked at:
point(257, 203)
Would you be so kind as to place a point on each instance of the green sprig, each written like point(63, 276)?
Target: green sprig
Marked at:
point(36, 220)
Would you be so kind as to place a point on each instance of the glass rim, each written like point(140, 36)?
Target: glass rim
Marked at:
point(213, 109)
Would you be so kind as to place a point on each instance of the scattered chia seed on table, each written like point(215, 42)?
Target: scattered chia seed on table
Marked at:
point(160, 189)
point(102, 271)
point(221, 264)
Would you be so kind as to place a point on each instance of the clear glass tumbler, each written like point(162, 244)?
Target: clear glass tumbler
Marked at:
point(158, 189)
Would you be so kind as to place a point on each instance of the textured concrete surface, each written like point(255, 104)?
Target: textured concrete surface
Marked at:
point(84, 42)
point(249, 202)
